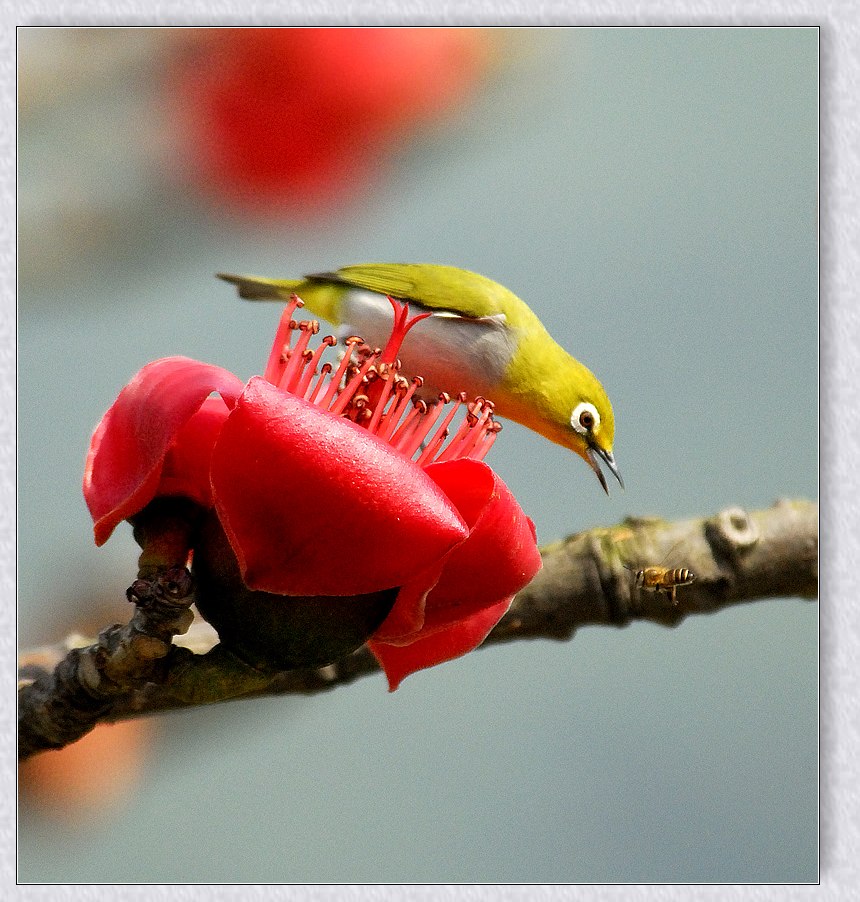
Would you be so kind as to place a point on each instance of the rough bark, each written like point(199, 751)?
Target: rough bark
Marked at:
point(587, 578)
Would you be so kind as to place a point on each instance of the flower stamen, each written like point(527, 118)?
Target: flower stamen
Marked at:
point(441, 433)
point(281, 344)
point(387, 374)
point(325, 370)
point(367, 388)
point(310, 368)
point(336, 379)
point(407, 428)
point(409, 443)
point(295, 357)
point(352, 386)
point(404, 390)
point(486, 442)
point(471, 431)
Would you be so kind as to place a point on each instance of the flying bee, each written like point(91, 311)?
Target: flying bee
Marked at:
point(665, 580)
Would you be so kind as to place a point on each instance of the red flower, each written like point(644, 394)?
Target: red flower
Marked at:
point(310, 475)
point(292, 117)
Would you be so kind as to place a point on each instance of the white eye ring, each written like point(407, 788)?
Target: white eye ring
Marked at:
point(585, 418)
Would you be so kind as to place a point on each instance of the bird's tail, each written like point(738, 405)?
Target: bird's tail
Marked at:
point(256, 288)
point(321, 297)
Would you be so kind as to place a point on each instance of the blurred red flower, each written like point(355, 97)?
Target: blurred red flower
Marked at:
point(85, 783)
point(311, 474)
point(290, 119)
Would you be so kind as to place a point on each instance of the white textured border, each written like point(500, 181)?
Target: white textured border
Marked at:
point(840, 415)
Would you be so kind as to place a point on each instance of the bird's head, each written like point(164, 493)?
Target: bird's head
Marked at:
point(590, 431)
point(564, 401)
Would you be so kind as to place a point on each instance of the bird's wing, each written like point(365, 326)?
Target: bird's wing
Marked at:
point(443, 289)
point(385, 278)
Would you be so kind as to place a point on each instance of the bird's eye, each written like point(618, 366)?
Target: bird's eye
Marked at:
point(585, 418)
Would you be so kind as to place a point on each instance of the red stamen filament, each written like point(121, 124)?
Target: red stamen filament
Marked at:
point(400, 438)
point(325, 369)
point(486, 442)
point(402, 401)
point(366, 388)
point(296, 360)
point(387, 375)
point(281, 344)
point(441, 433)
point(409, 442)
point(310, 369)
point(470, 432)
point(352, 387)
point(338, 376)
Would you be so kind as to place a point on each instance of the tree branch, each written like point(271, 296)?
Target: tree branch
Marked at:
point(737, 557)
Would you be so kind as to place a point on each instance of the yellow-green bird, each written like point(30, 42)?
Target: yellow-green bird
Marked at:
point(481, 339)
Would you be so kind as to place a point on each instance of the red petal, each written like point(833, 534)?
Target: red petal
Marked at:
point(407, 615)
point(315, 505)
point(499, 557)
point(443, 645)
point(186, 467)
point(479, 578)
point(129, 445)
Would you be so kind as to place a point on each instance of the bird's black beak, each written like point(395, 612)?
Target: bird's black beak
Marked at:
point(596, 454)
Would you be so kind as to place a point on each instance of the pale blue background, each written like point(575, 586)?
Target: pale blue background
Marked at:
point(653, 195)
